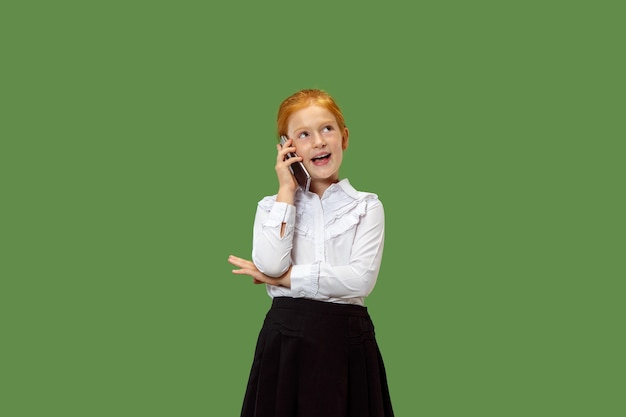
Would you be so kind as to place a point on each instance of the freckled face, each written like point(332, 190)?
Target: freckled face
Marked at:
point(319, 141)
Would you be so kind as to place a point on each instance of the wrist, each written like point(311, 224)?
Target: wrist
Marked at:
point(286, 195)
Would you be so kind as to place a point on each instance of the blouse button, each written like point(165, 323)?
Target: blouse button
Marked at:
point(302, 294)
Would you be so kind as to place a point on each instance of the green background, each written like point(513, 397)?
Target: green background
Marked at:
point(137, 137)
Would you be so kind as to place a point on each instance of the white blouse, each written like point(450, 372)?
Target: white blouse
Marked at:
point(334, 243)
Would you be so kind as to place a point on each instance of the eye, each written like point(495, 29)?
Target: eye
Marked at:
point(303, 135)
point(327, 128)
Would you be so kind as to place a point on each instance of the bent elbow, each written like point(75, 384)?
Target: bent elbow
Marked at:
point(367, 283)
point(271, 269)
point(273, 272)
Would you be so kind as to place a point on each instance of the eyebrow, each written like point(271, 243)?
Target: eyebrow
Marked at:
point(324, 123)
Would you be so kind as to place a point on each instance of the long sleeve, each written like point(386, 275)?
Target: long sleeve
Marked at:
point(271, 252)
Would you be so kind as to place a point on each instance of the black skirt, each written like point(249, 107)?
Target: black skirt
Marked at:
point(317, 359)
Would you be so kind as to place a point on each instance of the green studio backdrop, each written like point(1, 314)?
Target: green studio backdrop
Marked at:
point(137, 138)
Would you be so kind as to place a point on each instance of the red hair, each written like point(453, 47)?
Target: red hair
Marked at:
point(302, 99)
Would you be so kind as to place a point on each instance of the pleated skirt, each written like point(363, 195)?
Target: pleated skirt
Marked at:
point(317, 359)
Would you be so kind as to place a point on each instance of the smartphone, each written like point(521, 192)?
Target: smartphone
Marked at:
point(297, 169)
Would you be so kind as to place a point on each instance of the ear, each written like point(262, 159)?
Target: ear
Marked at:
point(344, 141)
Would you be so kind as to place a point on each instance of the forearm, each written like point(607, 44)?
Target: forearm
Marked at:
point(323, 281)
point(273, 238)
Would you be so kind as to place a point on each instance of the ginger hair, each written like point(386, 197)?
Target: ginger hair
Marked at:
point(302, 99)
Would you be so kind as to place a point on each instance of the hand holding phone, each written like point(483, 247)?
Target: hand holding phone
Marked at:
point(297, 169)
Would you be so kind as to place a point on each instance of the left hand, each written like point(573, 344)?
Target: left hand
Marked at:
point(248, 268)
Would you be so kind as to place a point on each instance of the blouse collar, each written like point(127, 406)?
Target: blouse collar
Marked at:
point(341, 186)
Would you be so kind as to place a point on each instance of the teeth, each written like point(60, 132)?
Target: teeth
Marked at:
point(321, 156)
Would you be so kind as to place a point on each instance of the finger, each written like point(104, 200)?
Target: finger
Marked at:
point(240, 262)
point(285, 149)
point(282, 155)
point(234, 261)
point(245, 270)
point(257, 278)
point(294, 159)
point(249, 273)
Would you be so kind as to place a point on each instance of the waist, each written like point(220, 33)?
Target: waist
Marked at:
point(319, 307)
point(280, 292)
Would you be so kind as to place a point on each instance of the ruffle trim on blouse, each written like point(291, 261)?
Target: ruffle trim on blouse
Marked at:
point(347, 217)
point(342, 212)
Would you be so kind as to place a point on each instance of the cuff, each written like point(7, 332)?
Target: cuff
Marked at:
point(281, 213)
point(305, 280)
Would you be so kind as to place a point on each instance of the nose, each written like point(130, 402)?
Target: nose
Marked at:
point(318, 140)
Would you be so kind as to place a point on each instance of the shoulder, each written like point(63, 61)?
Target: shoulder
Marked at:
point(362, 197)
point(348, 208)
point(366, 204)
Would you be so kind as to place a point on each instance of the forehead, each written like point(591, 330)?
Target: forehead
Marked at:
point(310, 115)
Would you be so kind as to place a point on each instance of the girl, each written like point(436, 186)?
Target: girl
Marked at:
point(319, 253)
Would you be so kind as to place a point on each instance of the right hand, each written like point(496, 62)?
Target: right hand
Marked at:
point(287, 184)
point(247, 267)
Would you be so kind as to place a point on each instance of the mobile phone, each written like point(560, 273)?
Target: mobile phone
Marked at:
point(297, 169)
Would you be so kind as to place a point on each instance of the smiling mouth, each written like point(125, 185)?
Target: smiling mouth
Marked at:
point(321, 157)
